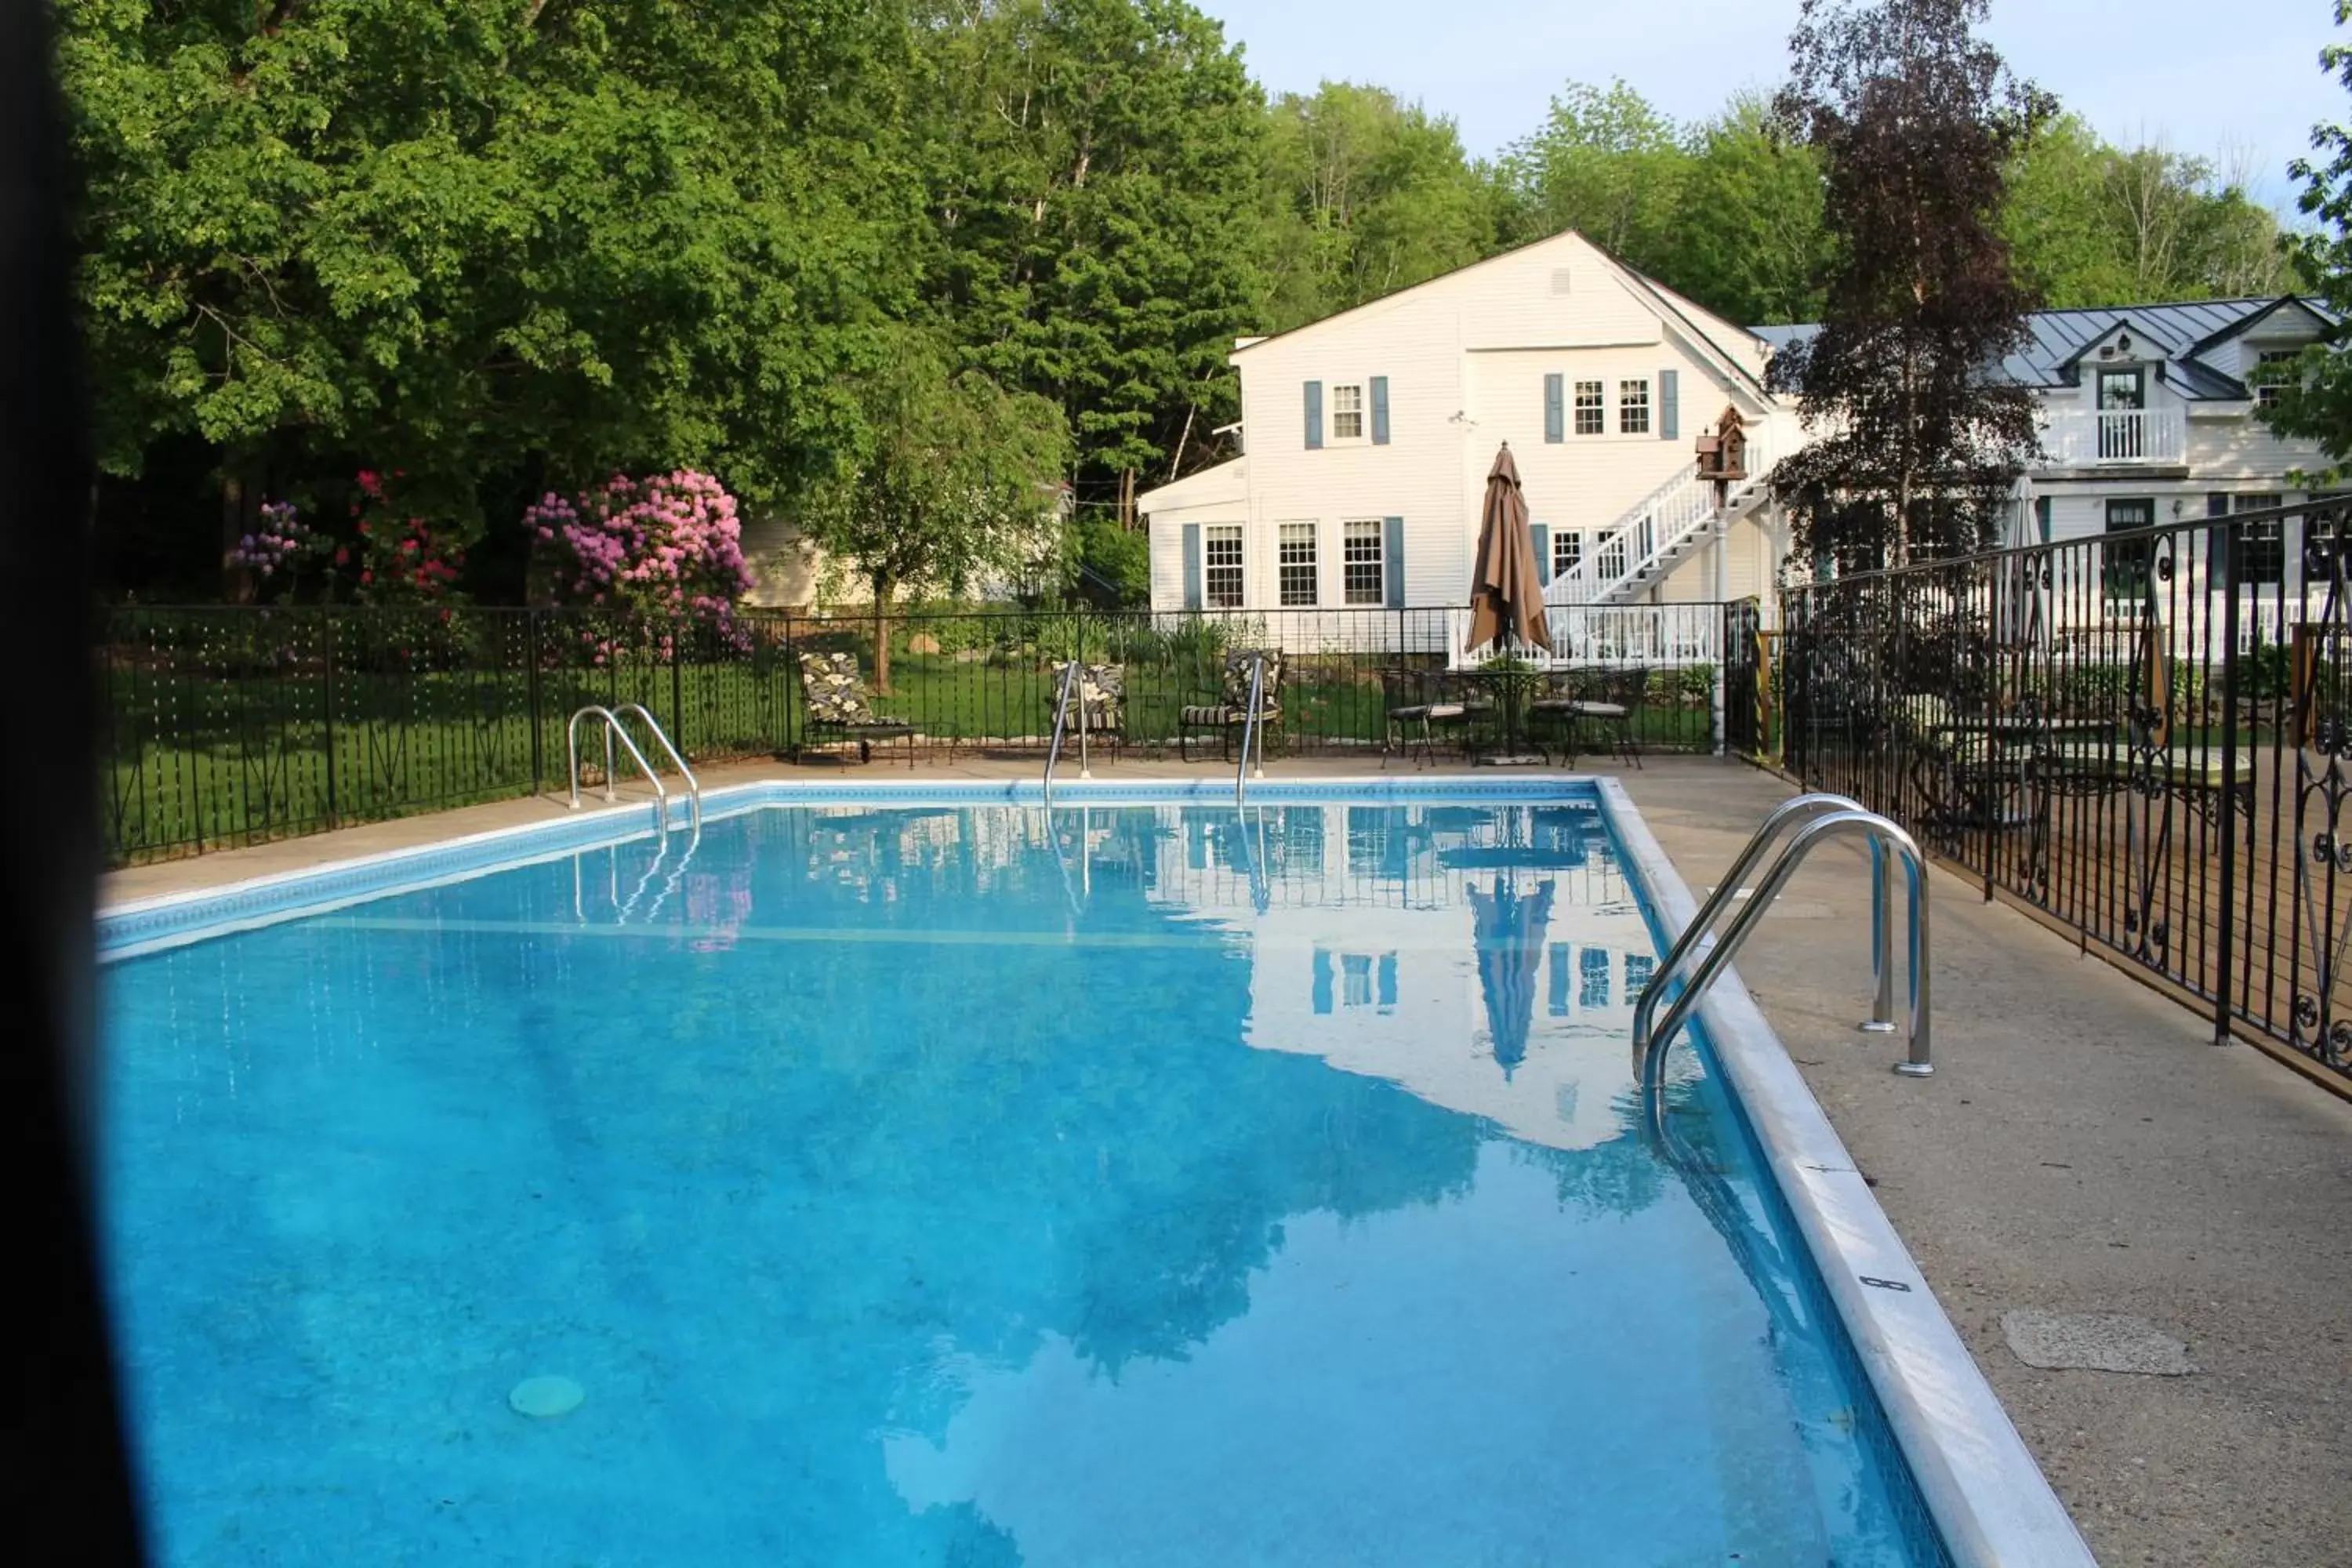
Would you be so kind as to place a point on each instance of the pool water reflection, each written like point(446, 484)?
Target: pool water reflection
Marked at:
point(1139, 1184)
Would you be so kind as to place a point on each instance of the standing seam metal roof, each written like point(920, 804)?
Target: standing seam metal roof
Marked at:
point(2060, 336)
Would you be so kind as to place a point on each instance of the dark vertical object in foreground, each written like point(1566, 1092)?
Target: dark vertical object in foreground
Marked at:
point(67, 1482)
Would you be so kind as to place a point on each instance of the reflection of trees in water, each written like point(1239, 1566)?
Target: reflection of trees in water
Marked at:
point(1615, 1178)
point(1091, 1151)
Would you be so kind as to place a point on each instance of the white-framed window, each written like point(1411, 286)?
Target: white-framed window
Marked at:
point(2264, 395)
point(1363, 562)
point(1296, 566)
point(2261, 546)
point(2123, 569)
point(1567, 550)
point(1591, 409)
point(1348, 411)
point(1634, 406)
point(1221, 565)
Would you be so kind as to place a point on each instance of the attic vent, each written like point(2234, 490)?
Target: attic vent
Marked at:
point(1561, 279)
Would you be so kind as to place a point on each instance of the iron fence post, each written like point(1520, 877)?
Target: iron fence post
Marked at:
point(327, 638)
point(678, 688)
point(2225, 943)
point(531, 699)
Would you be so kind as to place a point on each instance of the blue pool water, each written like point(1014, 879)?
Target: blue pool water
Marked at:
point(1164, 1184)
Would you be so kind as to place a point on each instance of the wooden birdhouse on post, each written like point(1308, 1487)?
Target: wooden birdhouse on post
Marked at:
point(1723, 454)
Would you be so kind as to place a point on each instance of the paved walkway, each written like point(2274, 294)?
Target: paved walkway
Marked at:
point(2081, 1149)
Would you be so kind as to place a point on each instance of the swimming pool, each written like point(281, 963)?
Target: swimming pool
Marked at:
point(894, 1177)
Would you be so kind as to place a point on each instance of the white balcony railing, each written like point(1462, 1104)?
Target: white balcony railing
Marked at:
point(2123, 435)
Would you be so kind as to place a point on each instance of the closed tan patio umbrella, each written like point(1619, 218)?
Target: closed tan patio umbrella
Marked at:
point(1505, 593)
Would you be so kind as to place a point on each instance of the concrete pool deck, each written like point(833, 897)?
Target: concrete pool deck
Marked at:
point(2082, 1150)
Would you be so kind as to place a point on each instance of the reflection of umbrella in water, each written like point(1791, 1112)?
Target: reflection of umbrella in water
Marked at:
point(1508, 928)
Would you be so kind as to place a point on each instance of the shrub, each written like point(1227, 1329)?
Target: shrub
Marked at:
point(666, 548)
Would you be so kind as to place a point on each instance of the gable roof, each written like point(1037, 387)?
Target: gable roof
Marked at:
point(1710, 333)
point(2057, 340)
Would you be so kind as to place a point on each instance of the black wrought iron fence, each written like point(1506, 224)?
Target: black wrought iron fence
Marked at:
point(2144, 734)
point(230, 725)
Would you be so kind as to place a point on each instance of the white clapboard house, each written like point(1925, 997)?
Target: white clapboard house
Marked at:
point(1367, 437)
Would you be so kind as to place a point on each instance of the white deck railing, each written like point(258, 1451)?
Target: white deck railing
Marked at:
point(2125, 437)
point(1656, 634)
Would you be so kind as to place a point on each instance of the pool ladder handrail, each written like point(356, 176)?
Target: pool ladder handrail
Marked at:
point(1253, 723)
point(613, 728)
point(1823, 816)
point(1061, 720)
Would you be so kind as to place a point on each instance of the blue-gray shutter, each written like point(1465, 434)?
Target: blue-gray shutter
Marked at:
point(1542, 531)
point(1393, 563)
point(1191, 565)
point(1670, 405)
point(1380, 411)
point(1313, 413)
point(2042, 516)
point(1555, 421)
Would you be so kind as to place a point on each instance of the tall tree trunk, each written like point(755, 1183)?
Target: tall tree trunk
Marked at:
point(883, 588)
point(240, 502)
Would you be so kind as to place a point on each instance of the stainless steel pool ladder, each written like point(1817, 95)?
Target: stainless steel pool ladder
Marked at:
point(1061, 719)
point(614, 729)
point(1253, 724)
point(1812, 819)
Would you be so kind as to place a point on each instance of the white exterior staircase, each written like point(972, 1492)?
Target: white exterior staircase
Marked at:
point(1634, 554)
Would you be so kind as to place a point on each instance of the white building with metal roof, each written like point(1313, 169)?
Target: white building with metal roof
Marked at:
point(1368, 434)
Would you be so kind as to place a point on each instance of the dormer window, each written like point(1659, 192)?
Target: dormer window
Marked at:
point(2122, 413)
point(2266, 390)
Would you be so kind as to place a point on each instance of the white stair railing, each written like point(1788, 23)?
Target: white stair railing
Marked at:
point(1618, 557)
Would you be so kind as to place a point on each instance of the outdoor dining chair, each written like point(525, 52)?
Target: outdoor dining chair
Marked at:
point(841, 706)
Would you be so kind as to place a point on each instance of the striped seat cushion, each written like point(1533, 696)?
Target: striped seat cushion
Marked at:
point(1206, 714)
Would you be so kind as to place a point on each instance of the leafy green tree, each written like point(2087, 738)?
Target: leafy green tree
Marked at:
point(1092, 169)
point(2314, 400)
point(1367, 196)
point(1750, 242)
point(1608, 164)
point(952, 479)
point(2093, 224)
point(461, 239)
point(1914, 448)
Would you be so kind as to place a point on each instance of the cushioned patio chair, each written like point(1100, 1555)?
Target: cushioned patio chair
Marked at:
point(1098, 704)
point(841, 707)
point(1611, 702)
point(1423, 699)
point(1230, 713)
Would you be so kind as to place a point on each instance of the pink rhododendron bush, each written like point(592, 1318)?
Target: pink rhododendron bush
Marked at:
point(666, 548)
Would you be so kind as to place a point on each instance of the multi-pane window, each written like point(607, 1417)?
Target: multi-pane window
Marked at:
point(1591, 411)
point(2261, 546)
point(1634, 407)
point(1363, 563)
point(1221, 565)
point(1296, 566)
point(2266, 391)
point(1347, 412)
point(2124, 567)
point(1567, 550)
point(1593, 964)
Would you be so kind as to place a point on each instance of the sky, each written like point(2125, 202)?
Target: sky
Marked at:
point(2207, 77)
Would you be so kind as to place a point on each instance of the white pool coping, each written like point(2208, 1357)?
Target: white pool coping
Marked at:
point(1987, 1496)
